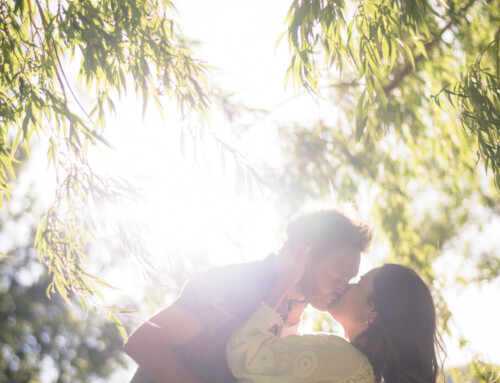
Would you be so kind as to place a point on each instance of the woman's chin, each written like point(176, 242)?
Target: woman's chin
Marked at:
point(333, 310)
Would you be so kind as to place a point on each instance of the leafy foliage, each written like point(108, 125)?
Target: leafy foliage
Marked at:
point(395, 56)
point(112, 44)
point(476, 371)
point(385, 46)
point(45, 339)
point(477, 98)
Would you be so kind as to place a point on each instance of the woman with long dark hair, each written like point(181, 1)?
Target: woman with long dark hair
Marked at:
point(388, 317)
point(399, 337)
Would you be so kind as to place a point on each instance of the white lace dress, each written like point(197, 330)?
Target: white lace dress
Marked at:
point(257, 356)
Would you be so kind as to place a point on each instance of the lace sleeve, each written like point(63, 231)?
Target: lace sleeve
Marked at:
point(257, 356)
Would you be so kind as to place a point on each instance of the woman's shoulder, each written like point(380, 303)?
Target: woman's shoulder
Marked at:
point(338, 357)
point(328, 338)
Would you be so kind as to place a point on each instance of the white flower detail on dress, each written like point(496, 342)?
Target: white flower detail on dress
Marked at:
point(304, 364)
point(263, 361)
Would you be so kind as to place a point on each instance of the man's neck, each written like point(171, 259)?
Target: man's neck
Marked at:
point(295, 294)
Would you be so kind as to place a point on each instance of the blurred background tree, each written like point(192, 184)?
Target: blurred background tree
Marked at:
point(41, 338)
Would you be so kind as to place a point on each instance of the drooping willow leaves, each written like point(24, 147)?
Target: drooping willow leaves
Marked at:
point(382, 49)
point(48, 49)
point(477, 98)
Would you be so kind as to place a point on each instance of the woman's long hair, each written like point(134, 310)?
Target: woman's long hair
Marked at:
point(402, 340)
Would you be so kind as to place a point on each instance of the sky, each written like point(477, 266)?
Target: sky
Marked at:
point(239, 39)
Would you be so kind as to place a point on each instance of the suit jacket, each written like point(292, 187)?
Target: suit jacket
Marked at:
point(222, 297)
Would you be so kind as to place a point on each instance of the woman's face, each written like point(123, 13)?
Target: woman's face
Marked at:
point(353, 310)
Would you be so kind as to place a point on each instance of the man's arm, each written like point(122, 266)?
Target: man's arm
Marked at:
point(152, 344)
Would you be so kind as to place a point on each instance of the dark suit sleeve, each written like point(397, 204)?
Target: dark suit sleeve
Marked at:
point(140, 376)
point(225, 294)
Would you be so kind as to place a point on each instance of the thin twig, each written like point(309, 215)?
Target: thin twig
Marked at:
point(71, 89)
point(51, 53)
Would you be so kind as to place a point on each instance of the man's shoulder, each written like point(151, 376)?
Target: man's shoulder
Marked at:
point(231, 287)
point(239, 272)
point(140, 376)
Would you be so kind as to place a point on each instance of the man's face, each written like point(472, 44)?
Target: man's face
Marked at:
point(326, 280)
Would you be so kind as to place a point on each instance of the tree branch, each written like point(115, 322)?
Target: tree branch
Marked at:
point(398, 78)
point(55, 57)
point(428, 47)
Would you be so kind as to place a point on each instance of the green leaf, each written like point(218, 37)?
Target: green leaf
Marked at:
point(61, 289)
point(379, 91)
point(385, 51)
point(394, 54)
point(409, 55)
point(369, 89)
point(119, 325)
point(361, 115)
point(49, 290)
point(83, 304)
point(420, 46)
point(15, 143)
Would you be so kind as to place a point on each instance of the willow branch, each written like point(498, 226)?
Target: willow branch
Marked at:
point(409, 68)
point(398, 78)
point(51, 53)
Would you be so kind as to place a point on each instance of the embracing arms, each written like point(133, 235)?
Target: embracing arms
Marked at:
point(206, 301)
point(255, 355)
point(258, 356)
point(152, 345)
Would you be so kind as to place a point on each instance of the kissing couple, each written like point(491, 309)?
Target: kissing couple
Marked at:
point(238, 323)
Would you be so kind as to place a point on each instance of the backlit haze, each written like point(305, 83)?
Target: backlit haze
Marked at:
point(189, 204)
